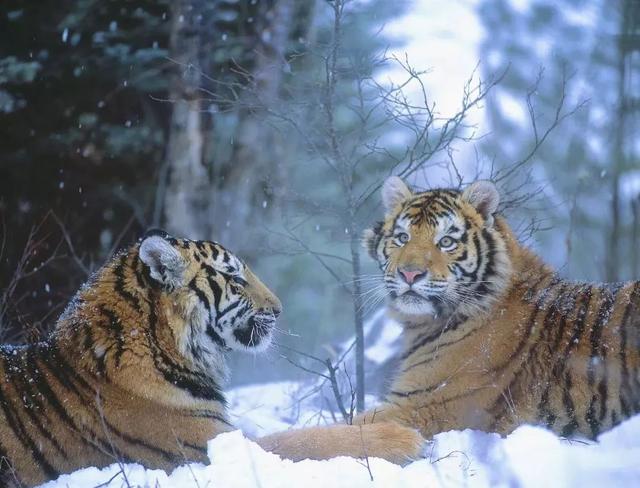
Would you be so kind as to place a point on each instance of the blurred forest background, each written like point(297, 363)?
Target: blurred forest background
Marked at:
point(268, 125)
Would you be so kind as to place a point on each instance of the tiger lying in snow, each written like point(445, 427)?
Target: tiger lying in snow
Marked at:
point(494, 338)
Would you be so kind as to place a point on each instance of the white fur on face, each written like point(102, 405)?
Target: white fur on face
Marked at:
point(426, 289)
point(411, 305)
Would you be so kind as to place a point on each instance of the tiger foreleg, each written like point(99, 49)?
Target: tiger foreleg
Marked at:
point(386, 440)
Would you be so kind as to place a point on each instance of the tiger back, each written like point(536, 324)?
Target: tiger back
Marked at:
point(494, 338)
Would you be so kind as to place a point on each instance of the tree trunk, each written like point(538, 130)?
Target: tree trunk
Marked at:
point(187, 194)
point(357, 317)
point(613, 248)
point(256, 174)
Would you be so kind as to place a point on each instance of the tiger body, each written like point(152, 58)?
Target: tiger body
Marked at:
point(131, 373)
point(493, 337)
point(135, 367)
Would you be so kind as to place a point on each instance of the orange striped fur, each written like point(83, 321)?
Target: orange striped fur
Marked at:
point(493, 337)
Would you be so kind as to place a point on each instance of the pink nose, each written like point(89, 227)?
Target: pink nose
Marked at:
point(410, 276)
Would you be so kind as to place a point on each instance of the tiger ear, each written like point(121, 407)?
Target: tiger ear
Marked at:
point(484, 197)
point(166, 264)
point(394, 192)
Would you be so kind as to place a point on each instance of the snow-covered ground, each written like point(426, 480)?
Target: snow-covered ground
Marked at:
point(530, 457)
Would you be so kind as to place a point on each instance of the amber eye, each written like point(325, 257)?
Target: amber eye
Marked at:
point(447, 242)
point(402, 237)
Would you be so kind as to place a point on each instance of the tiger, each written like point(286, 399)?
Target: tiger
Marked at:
point(493, 338)
point(135, 366)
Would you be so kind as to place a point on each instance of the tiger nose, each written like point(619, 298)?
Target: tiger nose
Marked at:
point(411, 275)
point(275, 306)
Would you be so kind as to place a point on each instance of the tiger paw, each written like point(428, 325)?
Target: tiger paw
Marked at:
point(392, 441)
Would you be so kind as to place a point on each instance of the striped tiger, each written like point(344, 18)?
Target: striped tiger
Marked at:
point(493, 337)
point(134, 368)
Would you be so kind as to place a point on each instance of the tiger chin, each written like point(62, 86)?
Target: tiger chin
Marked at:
point(135, 367)
point(493, 337)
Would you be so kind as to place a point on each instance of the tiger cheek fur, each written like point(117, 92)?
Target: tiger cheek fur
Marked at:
point(498, 339)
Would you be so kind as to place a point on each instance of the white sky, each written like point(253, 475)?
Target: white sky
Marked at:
point(441, 36)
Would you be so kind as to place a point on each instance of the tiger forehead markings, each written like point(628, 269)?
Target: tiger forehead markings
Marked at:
point(493, 337)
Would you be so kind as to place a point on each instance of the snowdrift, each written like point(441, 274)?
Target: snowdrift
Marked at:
point(530, 457)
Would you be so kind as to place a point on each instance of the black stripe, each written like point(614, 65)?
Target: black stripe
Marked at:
point(194, 382)
point(603, 316)
point(119, 286)
point(19, 429)
point(31, 382)
point(88, 344)
point(408, 393)
point(199, 293)
point(625, 386)
point(105, 446)
point(526, 337)
point(532, 320)
point(209, 415)
point(228, 309)
point(117, 331)
point(571, 426)
point(430, 337)
point(138, 269)
point(441, 347)
point(215, 337)
point(52, 399)
point(554, 310)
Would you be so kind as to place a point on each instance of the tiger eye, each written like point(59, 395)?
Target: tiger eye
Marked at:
point(446, 242)
point(403, 237)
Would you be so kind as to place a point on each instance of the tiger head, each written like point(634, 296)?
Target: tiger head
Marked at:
point(213, 298)
point(440, 251)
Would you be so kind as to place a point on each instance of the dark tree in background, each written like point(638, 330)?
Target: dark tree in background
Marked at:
point(221, 163)
point(80, 136)
point(89, 143)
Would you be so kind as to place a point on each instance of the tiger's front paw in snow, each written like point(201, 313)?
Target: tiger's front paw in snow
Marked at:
point(386, 440)
point(392, 441)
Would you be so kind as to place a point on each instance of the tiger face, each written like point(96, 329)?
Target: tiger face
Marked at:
point(438, 250)
point(213, 300)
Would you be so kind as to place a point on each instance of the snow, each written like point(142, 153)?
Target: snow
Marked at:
point(382, 349)
point(529, 457)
